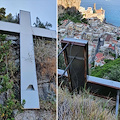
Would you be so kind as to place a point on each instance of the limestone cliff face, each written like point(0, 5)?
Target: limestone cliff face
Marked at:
point(70, 3)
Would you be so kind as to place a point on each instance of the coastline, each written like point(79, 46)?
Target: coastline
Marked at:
point(104, 20)
point(112, 12)
point(110, 24)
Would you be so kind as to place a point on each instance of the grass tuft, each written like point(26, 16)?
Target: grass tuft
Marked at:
point(82, 107)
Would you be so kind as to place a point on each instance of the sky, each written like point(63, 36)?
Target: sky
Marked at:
point(46, 10)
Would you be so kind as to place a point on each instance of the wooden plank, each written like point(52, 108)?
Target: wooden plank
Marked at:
point(104, 82)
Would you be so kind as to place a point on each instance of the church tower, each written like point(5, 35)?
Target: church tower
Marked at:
point(94, 8)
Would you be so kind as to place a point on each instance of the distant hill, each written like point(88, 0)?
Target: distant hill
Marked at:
point(69, 5)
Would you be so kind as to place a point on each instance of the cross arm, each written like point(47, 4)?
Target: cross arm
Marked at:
point(9, 27)
point(43, 32)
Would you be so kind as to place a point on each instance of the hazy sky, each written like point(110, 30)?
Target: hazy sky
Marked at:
point(46, 10)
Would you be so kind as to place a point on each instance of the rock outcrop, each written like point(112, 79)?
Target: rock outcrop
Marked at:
point(69, 3)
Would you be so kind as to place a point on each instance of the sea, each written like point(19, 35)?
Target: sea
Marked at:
point(111, 7)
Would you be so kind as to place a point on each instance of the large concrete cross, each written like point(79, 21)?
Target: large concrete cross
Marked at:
point(29, 89)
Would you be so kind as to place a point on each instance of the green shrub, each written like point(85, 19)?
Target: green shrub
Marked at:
point(6, 83)
point(76, 18)
point(111, 67)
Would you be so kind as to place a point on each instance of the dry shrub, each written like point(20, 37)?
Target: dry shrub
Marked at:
point(45, 55)
point(44, 49)
point(81, 107)
point(48, 67)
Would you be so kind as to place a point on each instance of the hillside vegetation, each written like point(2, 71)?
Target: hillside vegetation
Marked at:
point(74, 17)
point(110, 70)
point(9, 17)
point(9, 100)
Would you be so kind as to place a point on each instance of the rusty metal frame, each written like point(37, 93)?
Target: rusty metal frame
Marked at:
point(75, 43)
point(63, 49)
point(117, 103)
point(67, 67)
point(82, 44)
point(66, 63)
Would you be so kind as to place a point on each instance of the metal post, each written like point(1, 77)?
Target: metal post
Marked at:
point(67, 67)
point(63, 49)
point(117, 103)
point(85, 62)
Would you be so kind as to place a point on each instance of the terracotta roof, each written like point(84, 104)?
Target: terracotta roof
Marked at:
point(65, 20)
point(110, 45)
point(114, 41)
point(99, 11)
point(65, 23)
point(100, 59)
point(113, 48)
point(108, 38)
point(99, 55)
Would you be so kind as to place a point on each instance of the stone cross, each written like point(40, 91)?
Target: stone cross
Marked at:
point(29, 88)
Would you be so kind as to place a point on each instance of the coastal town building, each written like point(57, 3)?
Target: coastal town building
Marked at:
point(92, 13)
point(99, 59)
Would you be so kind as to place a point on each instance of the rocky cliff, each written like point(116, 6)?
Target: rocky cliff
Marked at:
point(69, 3)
